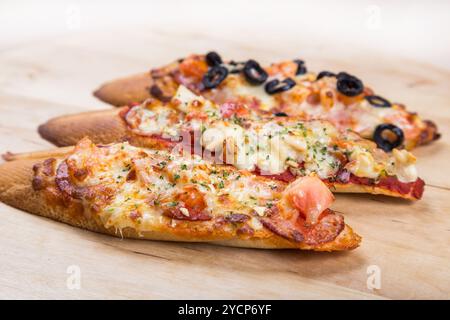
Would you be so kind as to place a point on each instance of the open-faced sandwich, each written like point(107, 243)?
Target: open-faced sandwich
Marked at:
point(142, 193)
point(281, 88)
point(278, 147)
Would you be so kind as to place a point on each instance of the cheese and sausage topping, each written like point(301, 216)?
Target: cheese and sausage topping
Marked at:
point(234, 134)
point(150, 190)
point(341, 99)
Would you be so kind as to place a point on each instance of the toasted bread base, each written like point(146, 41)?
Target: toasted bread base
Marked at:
point(16, 190)
point(125, 91)
point(37, 155)
point(104, 126)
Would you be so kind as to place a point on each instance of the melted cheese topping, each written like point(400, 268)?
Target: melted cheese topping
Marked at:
point(404, 165)
point(272, 145)
point(159, 177)
point(157, 121)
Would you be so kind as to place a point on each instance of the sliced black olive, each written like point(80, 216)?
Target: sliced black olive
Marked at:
point(237, 67)
point(277, 86)
point(157, 93)
point(280, 114)
point(385, 143)
point(234, 71)
point(325, 74)
point(214, 77)
point(236, 63)
point(254, 73)
point(213, 59)
point(301, 68)
point(378, 101)
point(349, 85)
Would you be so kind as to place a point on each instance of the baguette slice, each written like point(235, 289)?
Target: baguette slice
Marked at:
point(343, 160)
point(126, 90)
point(340, 98)
point(82, 188)
point(103, 126)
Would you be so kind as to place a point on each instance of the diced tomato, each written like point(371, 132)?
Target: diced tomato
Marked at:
point(285, 68)
point(228, 109)
point(192, 198)
point(193, 67)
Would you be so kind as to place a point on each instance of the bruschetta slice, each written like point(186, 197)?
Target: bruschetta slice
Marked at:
point(279, 147)
point(142, 193)
point(284, 87)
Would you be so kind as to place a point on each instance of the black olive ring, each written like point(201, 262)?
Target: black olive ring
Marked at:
point(386, 144)
point(280, 114)
point(213, 59)
point(254, 73)
point(378, 102)
point(235, 71)
point(236, 63)
point(214, 77)
point(301, 68)
point(277, 86)
point(325, 74)
point(349, 85)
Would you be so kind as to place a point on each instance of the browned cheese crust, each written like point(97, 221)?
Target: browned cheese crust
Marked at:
point(16, 190)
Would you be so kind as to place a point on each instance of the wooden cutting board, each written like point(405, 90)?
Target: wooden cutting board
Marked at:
point(408, 243)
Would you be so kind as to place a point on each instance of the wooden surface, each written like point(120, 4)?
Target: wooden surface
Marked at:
point(409, 242)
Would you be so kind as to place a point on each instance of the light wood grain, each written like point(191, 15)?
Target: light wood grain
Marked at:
point(408, 241)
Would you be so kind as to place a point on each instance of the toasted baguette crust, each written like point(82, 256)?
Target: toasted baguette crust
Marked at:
point(102, 126)
point(125, 91)
point(16, 190)
point(9, 156)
